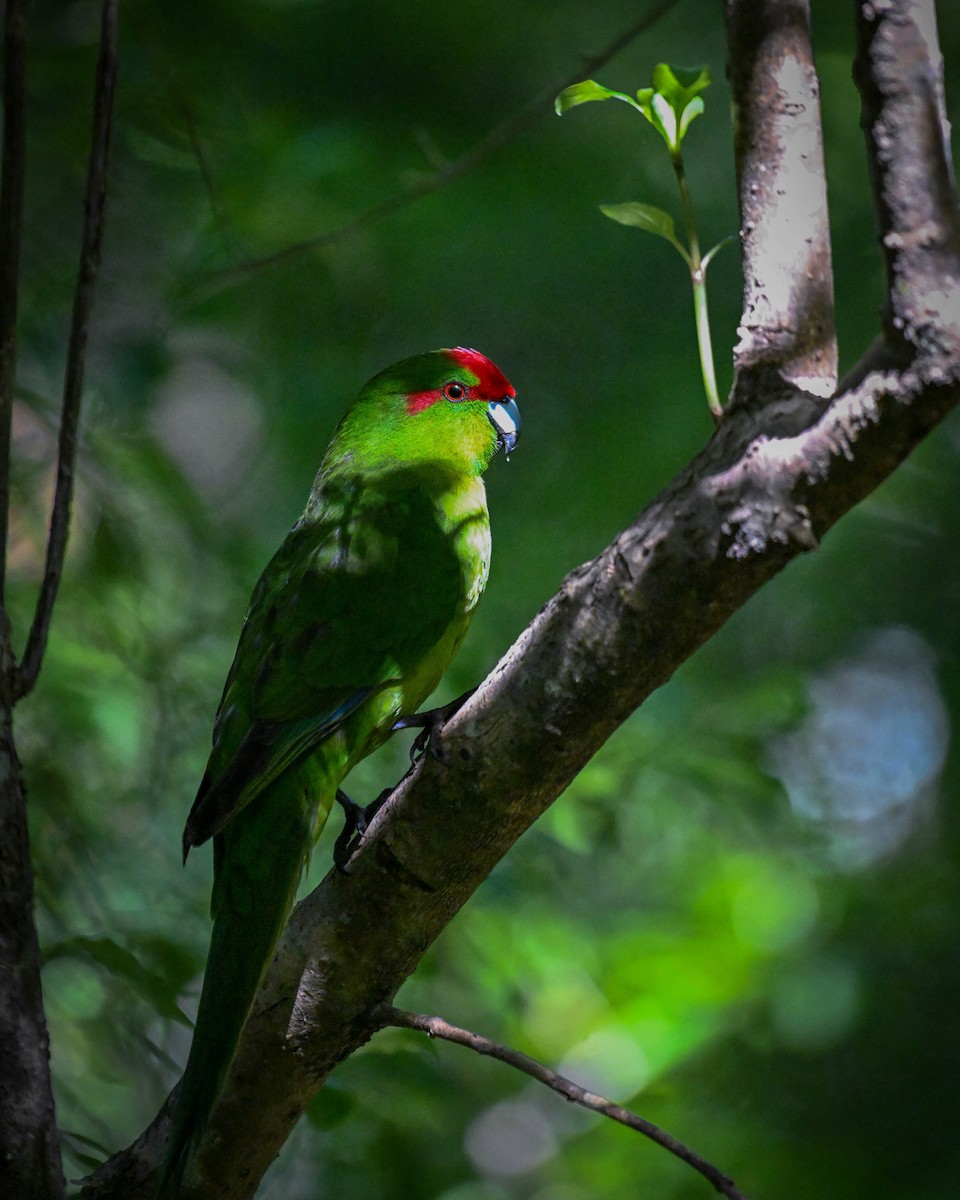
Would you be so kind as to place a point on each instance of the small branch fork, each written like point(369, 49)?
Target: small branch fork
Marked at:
point(437, 1027)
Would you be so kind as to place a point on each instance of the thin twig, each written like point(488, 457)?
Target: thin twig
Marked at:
point(90, 246)
point(496, 139)
point(11, 208)
point(217, 212)
point(698, 280)
point(182, 105)
point(436, 1027)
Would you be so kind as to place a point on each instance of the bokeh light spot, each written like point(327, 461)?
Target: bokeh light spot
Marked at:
point(510, 1138)
point(864, 764)
point(772, 909)
point(814, 1005)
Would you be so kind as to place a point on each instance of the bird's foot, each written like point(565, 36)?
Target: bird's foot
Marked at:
point(356, 820)
point(356, 817)
point(430, 724)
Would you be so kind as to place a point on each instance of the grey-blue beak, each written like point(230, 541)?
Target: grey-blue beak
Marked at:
point(505, 418)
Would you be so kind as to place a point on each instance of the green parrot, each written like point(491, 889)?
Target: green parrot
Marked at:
point(349, 629)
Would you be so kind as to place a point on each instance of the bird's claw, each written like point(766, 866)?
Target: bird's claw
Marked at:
point(424, 741)
point(430, 724)
point(354, 826)
point(356, 821)
point(357, 818)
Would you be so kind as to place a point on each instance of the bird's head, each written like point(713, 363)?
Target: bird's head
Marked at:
point(451, 408)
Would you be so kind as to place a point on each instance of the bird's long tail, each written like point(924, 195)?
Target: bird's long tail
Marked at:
point(257, 866)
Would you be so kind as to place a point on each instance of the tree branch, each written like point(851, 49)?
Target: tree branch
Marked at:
point(11, 209)
point(92, 239)
point(899, 72)
point(783, 467)
point(788, 310)
point(617, 630)
point(29, 1145)
point(30, 1163)
point(436, 1027)
point(29, 1142)
point(498, 137)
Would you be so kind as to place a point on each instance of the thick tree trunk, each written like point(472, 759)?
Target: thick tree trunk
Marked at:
point(29, 1142)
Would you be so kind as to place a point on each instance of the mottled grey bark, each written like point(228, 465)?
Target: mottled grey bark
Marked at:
point(788, 313)
point(29, 1142)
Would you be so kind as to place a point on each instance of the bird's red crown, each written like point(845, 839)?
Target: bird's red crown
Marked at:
point(482, 379)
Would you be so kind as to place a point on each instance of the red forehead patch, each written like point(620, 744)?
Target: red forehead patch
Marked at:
point(491, 383)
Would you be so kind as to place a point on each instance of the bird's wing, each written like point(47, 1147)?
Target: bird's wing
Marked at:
point(347, 607)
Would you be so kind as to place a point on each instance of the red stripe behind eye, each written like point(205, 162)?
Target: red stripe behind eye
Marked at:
point(418, 401)
point(483, 380)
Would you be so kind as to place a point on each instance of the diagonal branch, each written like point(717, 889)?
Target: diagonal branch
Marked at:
point(436, 1027)
point(92, 239)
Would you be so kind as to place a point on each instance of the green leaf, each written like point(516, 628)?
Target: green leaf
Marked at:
point(666, 119)
point(583, 93)
point(120, 962)
point(670, 105)
point(693, 109)
point(674, 100)
point(88, 1161)
point(78, 1145)
point(646, 102)
point(679, 85)
point(644, 96)
point(647, 217)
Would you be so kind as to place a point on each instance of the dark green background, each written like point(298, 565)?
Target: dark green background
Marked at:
point(772, 973)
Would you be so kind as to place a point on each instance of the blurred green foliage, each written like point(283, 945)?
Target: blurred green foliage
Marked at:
point(714, 925)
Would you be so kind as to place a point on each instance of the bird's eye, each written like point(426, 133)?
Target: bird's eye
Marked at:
point(454, 391)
